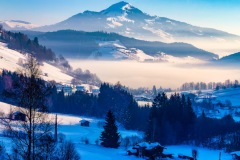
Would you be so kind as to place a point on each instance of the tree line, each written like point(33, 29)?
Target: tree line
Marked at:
point(210, 85)
point(21, 42)
point(173, 121)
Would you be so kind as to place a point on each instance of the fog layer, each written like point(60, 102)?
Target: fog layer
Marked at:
point(135, 74)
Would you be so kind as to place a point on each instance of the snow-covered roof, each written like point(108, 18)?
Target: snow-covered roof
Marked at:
point(149, 146)
point(132, 150)
point(17, 112)
point(236, 153)
point(83, 121)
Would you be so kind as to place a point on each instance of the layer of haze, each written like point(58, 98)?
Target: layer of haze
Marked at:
point(134, 74)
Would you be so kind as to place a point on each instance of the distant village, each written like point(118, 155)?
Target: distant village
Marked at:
point(70, 89)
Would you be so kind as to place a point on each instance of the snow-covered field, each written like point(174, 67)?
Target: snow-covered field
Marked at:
point(203, 153)
point(70, 127)
point(11, 60)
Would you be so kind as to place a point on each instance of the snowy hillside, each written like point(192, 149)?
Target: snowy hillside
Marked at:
point(224, 102)
point(117, 51)
point(11, 60)
point(17, 25)
point(82, 45)
point(127, 20)
point(231, 94)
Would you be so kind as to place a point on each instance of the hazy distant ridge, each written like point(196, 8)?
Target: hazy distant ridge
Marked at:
point(84, 44)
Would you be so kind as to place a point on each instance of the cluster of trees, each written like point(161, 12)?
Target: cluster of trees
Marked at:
point(210, 132)
point(211, 85)
point(21, 42)
point(114, 98)
point(171, 120)
point(152, 92)
point(86, 76)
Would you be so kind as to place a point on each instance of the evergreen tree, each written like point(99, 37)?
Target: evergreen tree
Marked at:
point(110, 136)
point(154, 91)
point(150, 133)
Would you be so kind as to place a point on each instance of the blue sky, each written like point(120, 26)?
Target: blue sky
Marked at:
point(219, 14)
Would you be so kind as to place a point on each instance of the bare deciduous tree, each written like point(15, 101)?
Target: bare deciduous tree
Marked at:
point(28, 135)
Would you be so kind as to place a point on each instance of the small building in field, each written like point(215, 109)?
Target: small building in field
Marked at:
point(84, 123)
point(18, 116)
point(144, 149)
point(236, 155)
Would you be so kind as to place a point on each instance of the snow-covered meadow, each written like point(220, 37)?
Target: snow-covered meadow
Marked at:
point(70, 127)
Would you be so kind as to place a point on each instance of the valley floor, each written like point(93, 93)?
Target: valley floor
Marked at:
point(70, 127)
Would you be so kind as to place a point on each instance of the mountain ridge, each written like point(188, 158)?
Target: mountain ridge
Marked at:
point(83, 44)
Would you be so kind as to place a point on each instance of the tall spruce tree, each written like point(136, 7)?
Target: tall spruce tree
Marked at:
point(110, 136)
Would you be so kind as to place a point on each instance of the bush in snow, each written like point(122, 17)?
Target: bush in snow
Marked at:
point(130, 141)
point(97, 141)
point(3, 154)
point(61, 138)
point(125, 142)
point(100, 124)
point(194, 153)
point(85, 140)
point(67, 151)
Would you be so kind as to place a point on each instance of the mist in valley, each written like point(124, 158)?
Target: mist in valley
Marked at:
point(135, 74)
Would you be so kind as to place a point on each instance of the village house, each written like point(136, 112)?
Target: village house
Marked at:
point(80, 88)
point(18, 116)
point(84, 123)
point(236, 155)
point(67, 89)
point(95, 91)
point(144, 149)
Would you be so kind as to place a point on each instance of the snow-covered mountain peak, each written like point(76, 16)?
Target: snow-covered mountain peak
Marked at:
point(121, 8)
point(127, 7)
